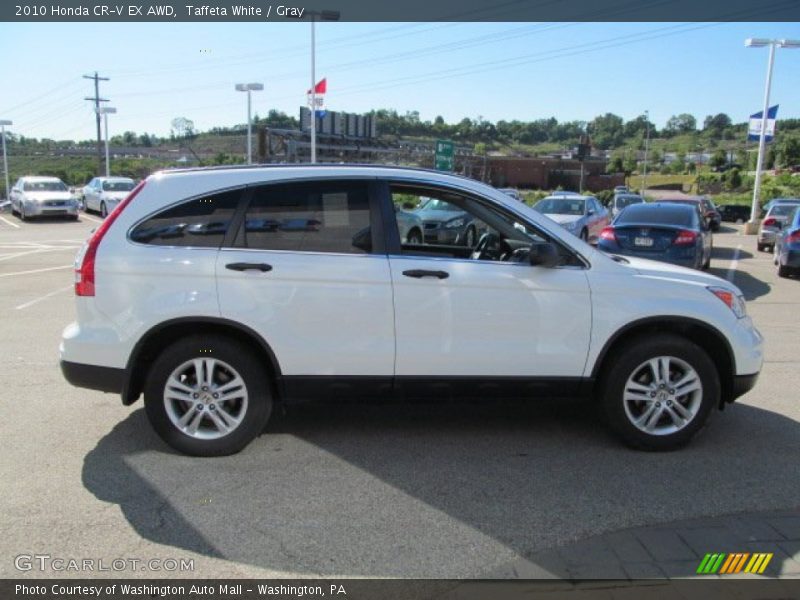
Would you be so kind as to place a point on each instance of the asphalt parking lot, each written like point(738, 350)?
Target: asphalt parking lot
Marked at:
point(418, 490)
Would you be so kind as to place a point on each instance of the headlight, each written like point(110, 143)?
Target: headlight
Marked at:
point(455, 223)
point(732, 300)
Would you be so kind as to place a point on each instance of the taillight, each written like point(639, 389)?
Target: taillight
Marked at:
point(770, 222)
point(84, 274)
point(685, 238)
point(608, 234)
point(794, 237)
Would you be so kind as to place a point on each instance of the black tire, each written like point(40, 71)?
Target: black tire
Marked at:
point(629, 361)
point(14, 211)
point(761, 247)
point(22, 215)
point(103, 210)
point(783, 271)
point(414, 237)
point(585, 235)
point(253, 417)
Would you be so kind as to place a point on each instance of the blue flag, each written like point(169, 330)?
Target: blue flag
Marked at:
point(756, 120)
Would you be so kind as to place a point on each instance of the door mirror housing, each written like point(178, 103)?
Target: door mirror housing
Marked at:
point(544, 254)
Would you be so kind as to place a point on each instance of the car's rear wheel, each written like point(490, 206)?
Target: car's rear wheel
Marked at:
point(783, 271)
point(660, 391)
point(207, 396)
point(761, 247)
point(585, 235)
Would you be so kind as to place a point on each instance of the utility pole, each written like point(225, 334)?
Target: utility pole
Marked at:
point(97, 100)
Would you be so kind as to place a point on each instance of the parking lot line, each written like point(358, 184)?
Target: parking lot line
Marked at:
point(734, 264)
point(45, 297)
point(9, 222)
point(35, 271)
point(85, 216)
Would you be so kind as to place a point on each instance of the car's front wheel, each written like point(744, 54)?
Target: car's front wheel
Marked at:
point(207, 396)
point(103, 210)
point(660, 391)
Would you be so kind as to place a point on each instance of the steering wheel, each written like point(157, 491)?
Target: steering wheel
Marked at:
point(490, 247)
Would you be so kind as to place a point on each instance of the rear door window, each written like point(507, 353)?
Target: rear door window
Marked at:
point(200, 222)
point(328, 216)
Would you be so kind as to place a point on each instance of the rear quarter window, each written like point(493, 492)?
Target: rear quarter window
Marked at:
point(200, 222)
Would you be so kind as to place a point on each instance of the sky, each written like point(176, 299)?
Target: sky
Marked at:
point(524, 71)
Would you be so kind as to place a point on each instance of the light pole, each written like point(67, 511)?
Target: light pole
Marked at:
point(249, 87)
point(3, 124)
point(646, 144)
point(323, 15)
point(751, 226)
point(105, 111)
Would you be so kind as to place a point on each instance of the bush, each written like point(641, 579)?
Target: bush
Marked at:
point(605, 196)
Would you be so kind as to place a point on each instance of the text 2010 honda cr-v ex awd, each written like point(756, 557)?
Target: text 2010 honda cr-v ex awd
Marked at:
point(217, 293)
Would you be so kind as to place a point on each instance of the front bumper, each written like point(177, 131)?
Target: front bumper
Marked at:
point(43, 209)
point(743, 384)
point(104, 379)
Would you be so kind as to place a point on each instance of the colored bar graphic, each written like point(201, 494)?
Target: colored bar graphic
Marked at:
point(729, 564)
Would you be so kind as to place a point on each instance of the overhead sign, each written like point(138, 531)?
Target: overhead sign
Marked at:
point(756, 122)
point(443, 158)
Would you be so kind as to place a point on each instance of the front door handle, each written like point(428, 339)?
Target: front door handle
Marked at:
point(420, 273)
point(241, 266)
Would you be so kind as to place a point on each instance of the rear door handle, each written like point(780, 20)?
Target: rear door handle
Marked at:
point(420, 273)
point(241, 266)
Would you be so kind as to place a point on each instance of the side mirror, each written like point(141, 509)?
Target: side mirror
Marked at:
point(590, 212)
point(543, 254)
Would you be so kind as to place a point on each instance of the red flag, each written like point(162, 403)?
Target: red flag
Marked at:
point(321, 87)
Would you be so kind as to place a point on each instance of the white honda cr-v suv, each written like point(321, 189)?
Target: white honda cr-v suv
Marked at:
point(218, 293)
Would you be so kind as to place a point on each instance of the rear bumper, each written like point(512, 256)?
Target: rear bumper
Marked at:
point(104, 379)
point(790, 258)
point(767, 236)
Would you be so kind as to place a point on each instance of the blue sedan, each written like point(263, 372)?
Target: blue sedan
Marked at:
point(787, 246)
point(673, 233)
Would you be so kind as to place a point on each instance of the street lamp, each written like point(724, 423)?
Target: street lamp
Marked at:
point(751, 227)
point(105, 111)
point(646, 144)
point(249, 87)
point(3, 124)
point(323, 15)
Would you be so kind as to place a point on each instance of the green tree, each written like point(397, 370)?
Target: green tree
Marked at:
point(607, 131)
point(682, 123)
point(787, 152)
point(719, 158)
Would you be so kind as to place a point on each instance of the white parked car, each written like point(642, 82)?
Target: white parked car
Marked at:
point(42, 197)
point(102, 194)
point(217, 293)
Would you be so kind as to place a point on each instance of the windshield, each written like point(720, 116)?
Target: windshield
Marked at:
point(436, 204)
point(44, 186)
point(117, 186)
point(561, 206)
point(623, 201)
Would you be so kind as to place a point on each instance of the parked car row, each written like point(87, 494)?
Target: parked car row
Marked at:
point(776, 213)
point(787, 245)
